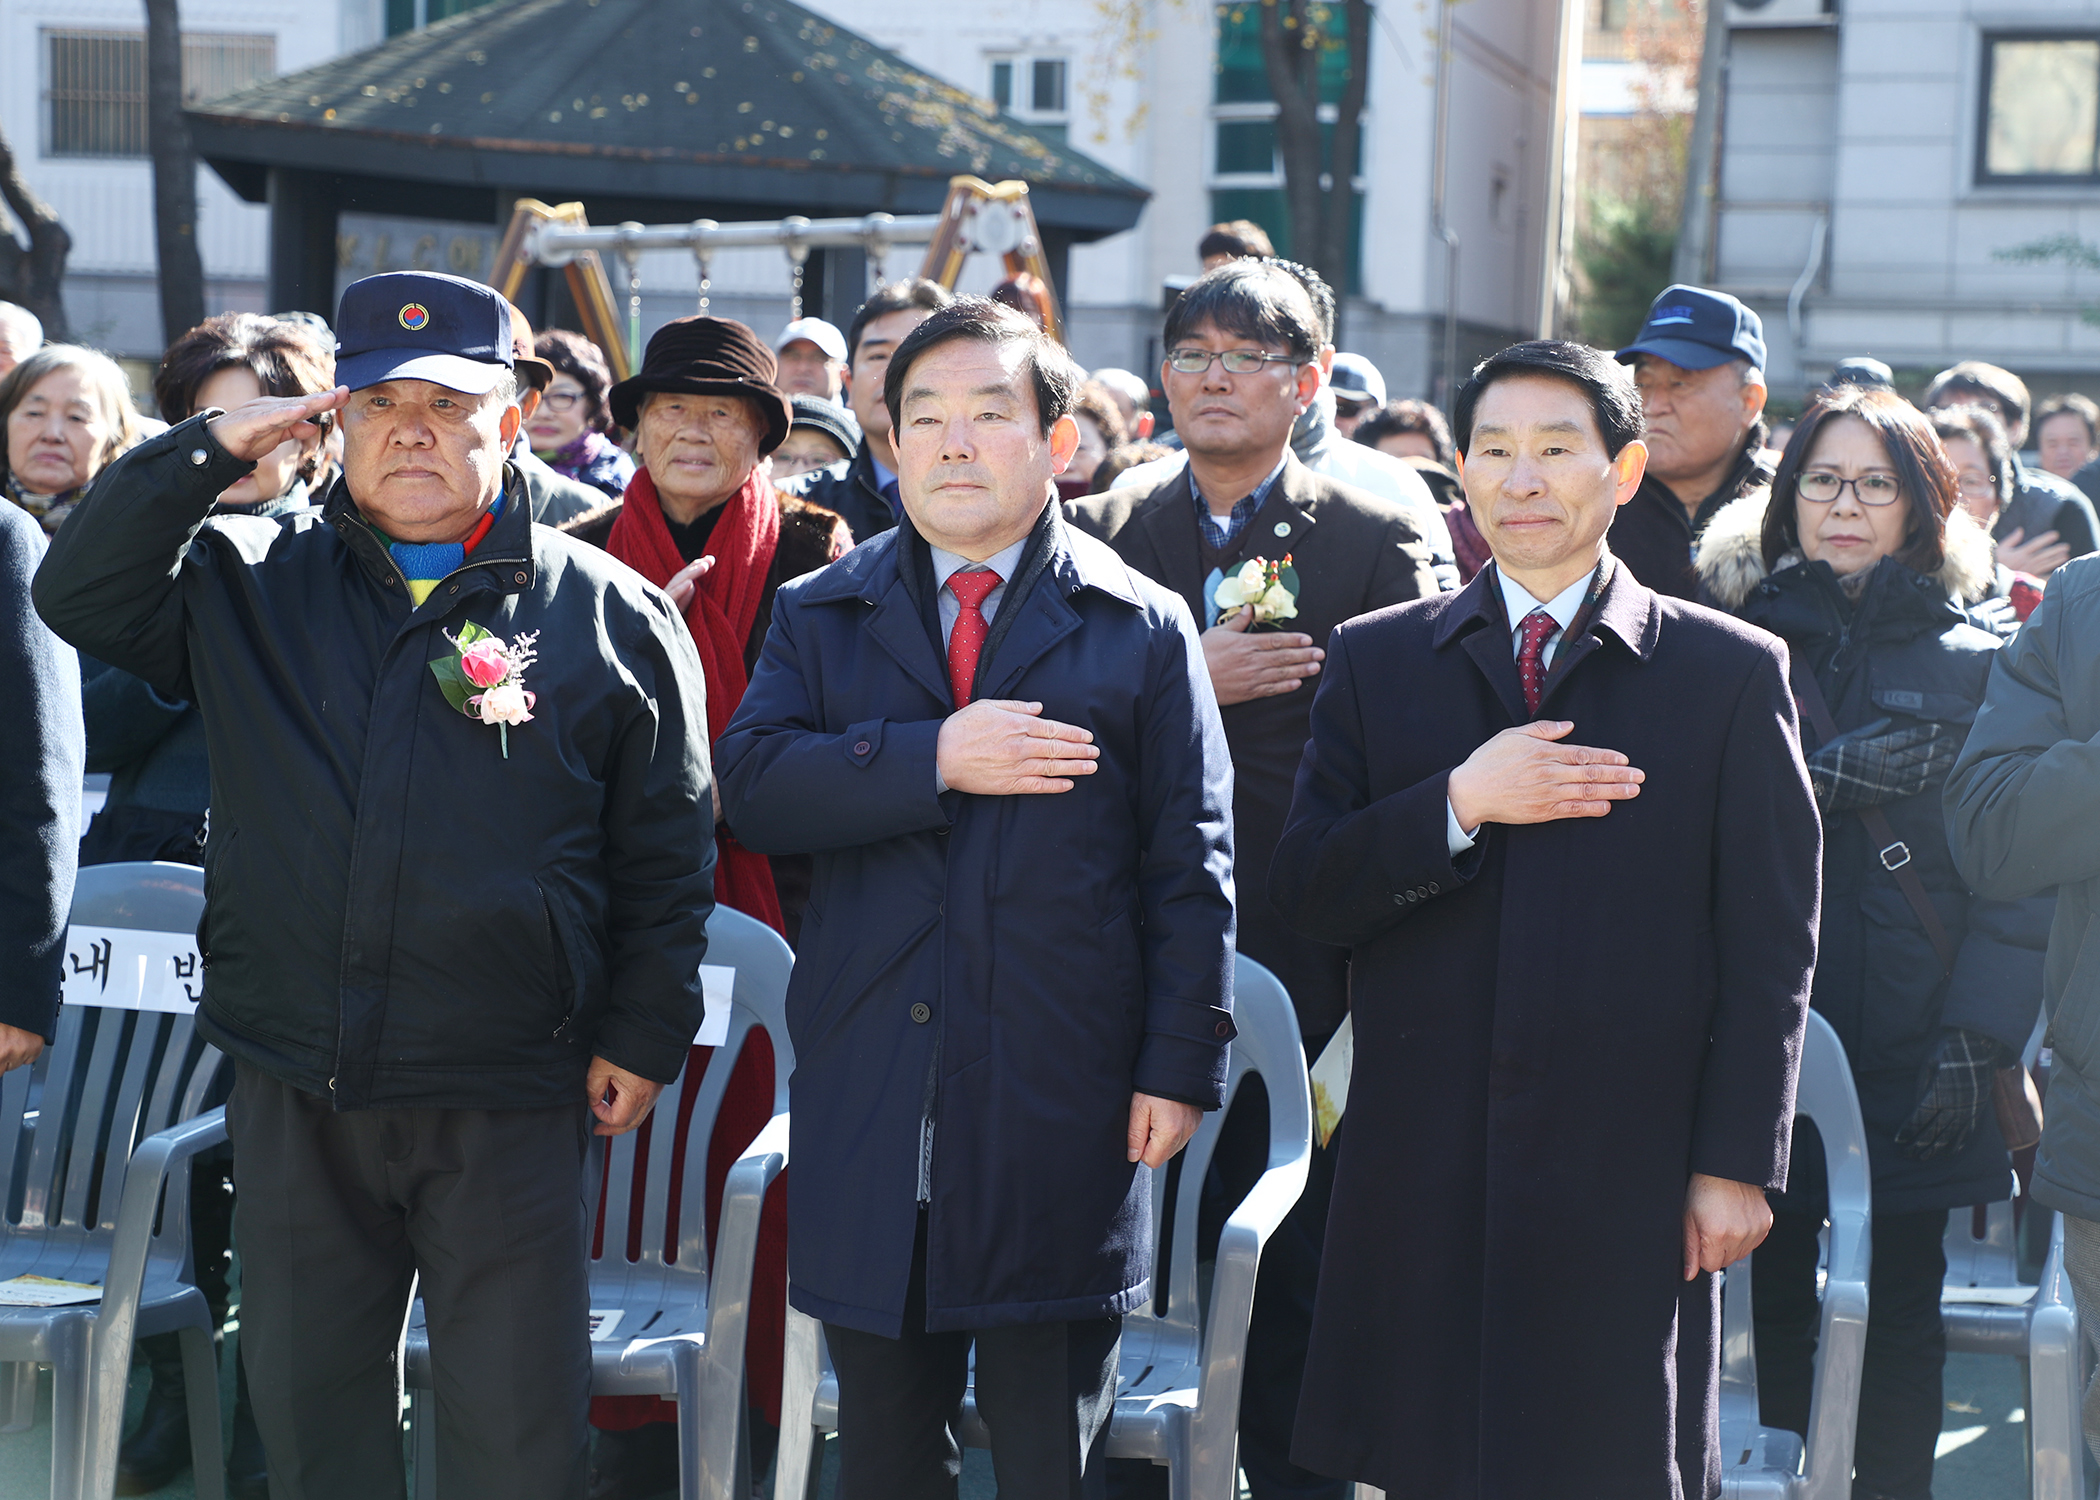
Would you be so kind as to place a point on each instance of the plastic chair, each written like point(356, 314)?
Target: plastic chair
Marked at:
point(1987, 1309)
point(681, 1325)
point(1178, 1390)
point(89, 1139)
point(1763, 1463)
point(2056, 1380)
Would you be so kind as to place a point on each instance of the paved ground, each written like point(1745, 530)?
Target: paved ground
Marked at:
point(1982, 1445)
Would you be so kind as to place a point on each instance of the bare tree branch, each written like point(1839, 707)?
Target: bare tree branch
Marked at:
point(31, 276)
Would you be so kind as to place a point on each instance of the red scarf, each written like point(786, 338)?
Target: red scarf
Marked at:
point(720, 615)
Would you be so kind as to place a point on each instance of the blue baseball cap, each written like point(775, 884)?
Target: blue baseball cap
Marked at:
point(419, 325)
point(1696, 329)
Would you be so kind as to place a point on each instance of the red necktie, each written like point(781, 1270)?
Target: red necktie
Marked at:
point(966, 640)
point(1531, 651)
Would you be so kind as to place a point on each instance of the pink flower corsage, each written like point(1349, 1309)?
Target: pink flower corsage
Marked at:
point(484, 678)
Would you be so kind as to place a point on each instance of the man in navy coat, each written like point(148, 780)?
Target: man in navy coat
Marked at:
point(1014, 985)
point(1564, 825)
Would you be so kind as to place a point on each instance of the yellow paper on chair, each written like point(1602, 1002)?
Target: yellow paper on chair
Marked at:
point(45, 1291)
point(1330, 1080)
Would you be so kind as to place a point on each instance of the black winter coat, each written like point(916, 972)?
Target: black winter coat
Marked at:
point(40, 794)
point(1019, 965)
point(1907, 653)
point(397, 915)
point(1553, 1032)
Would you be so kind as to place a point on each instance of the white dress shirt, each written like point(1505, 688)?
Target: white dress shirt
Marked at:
point(1519, 601)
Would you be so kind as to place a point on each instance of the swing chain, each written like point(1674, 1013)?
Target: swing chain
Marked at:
point(792, 229)
point(703, 257)
point(631, 257)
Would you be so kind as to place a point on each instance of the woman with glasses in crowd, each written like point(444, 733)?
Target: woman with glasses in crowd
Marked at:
point(67, 412)
point(1862, 558)
point(1975, 443)
point(569, 430)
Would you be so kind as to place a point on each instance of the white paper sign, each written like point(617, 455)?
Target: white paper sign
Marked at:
point(43, 1291)
point(718, 984)
point(604, 1321)
point(127, 969)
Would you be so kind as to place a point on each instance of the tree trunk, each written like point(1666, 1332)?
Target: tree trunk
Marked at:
point(174, 175)
point(1348, 145)
point(1319, 195)
point(31, 277)
point(1290, 52)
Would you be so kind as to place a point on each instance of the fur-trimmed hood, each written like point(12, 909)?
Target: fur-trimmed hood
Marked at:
point(1731, 559)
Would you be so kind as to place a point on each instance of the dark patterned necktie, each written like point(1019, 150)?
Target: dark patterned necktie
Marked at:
point(1531, 650)
point(966, 640)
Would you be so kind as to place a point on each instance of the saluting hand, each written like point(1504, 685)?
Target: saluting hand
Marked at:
point(1246, 664)
point(997, 747)
point(255, 428)
point(621, 1100)
point(1522, 776)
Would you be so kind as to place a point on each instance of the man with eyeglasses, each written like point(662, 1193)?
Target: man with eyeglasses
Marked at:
point(1241, 365)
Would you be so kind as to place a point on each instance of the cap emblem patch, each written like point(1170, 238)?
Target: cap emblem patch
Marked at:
point(415, 317)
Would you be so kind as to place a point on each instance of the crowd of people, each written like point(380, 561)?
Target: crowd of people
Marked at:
point(1567, 748)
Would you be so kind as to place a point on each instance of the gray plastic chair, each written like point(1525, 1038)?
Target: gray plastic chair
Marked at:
point(1988, 1309)
point(1178, 1390)
point(682, 1324)
point(89, 1138)
point(1763, 1463)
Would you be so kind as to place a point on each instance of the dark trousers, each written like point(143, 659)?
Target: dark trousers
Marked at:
point(338, 1215)
point(1281, 1325)
point(1899, 1395)
point(1046, 1391)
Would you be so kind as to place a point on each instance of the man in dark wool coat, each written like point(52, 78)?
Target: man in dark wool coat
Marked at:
point(1241, 500)
point(1564, 825)
point(1014, 982)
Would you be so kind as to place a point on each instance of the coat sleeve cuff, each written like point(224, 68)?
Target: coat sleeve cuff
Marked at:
point(641, 1050)
point(1184, 1052)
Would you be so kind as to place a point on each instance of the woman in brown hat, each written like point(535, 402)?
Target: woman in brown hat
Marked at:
point(701, 520)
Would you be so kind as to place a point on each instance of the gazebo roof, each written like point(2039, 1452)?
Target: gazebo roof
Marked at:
point(746, 101)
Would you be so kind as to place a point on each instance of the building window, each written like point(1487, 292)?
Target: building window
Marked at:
point(95, 84)
point(1033, 91)
point(414, 15)
point(2041, 109)
point(1047, 93)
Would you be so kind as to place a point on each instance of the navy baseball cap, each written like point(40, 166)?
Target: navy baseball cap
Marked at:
point(419, 325)
point(1696, 329)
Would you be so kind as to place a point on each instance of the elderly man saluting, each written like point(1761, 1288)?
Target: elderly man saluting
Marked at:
point(1014, 980)
point(458, 882)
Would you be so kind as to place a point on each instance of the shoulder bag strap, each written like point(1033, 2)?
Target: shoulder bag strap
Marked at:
point(1893, 853)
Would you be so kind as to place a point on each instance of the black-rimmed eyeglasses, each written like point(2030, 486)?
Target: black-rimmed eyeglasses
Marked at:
point(1821, 487)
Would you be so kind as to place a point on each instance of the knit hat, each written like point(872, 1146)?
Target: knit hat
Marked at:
point(829, 418)
point(707, 356)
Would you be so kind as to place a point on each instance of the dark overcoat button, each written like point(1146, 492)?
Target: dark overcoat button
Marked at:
point(861, 747)
point(1224, 1028)
point(922, 1013)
